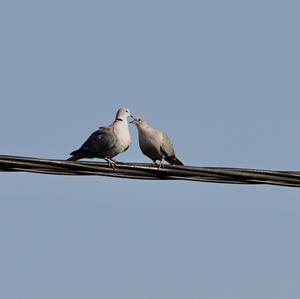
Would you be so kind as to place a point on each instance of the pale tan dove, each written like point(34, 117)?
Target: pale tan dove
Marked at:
point(155, 144)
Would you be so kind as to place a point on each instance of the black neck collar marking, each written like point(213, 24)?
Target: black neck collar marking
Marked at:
point(119, 119)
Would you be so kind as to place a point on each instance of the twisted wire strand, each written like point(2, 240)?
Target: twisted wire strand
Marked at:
point(145, 171)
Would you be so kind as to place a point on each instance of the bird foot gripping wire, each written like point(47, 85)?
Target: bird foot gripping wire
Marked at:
point(111, 163)
point(159, 164)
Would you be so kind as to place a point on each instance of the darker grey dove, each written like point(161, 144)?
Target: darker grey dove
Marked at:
point(107, 142)
point(155, 144)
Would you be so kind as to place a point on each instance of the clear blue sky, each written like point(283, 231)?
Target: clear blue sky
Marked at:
point(221, 78)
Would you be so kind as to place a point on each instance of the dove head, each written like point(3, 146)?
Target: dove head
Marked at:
point(139, 122)
point(122, 114)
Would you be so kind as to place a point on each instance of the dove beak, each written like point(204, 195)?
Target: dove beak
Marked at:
point(133, 120)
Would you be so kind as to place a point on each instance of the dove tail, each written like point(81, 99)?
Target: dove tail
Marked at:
point(73, 158)
point(174, 161)
point(76, 155)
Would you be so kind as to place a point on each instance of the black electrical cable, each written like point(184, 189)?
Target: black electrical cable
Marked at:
point(150, 172)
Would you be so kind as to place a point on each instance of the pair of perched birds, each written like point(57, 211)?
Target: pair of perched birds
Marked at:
point(108, 142)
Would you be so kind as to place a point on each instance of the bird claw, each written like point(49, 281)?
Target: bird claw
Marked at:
point(160, 165)
point(111, 163)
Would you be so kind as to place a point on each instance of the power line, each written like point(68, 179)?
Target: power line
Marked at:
point(149, 172)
